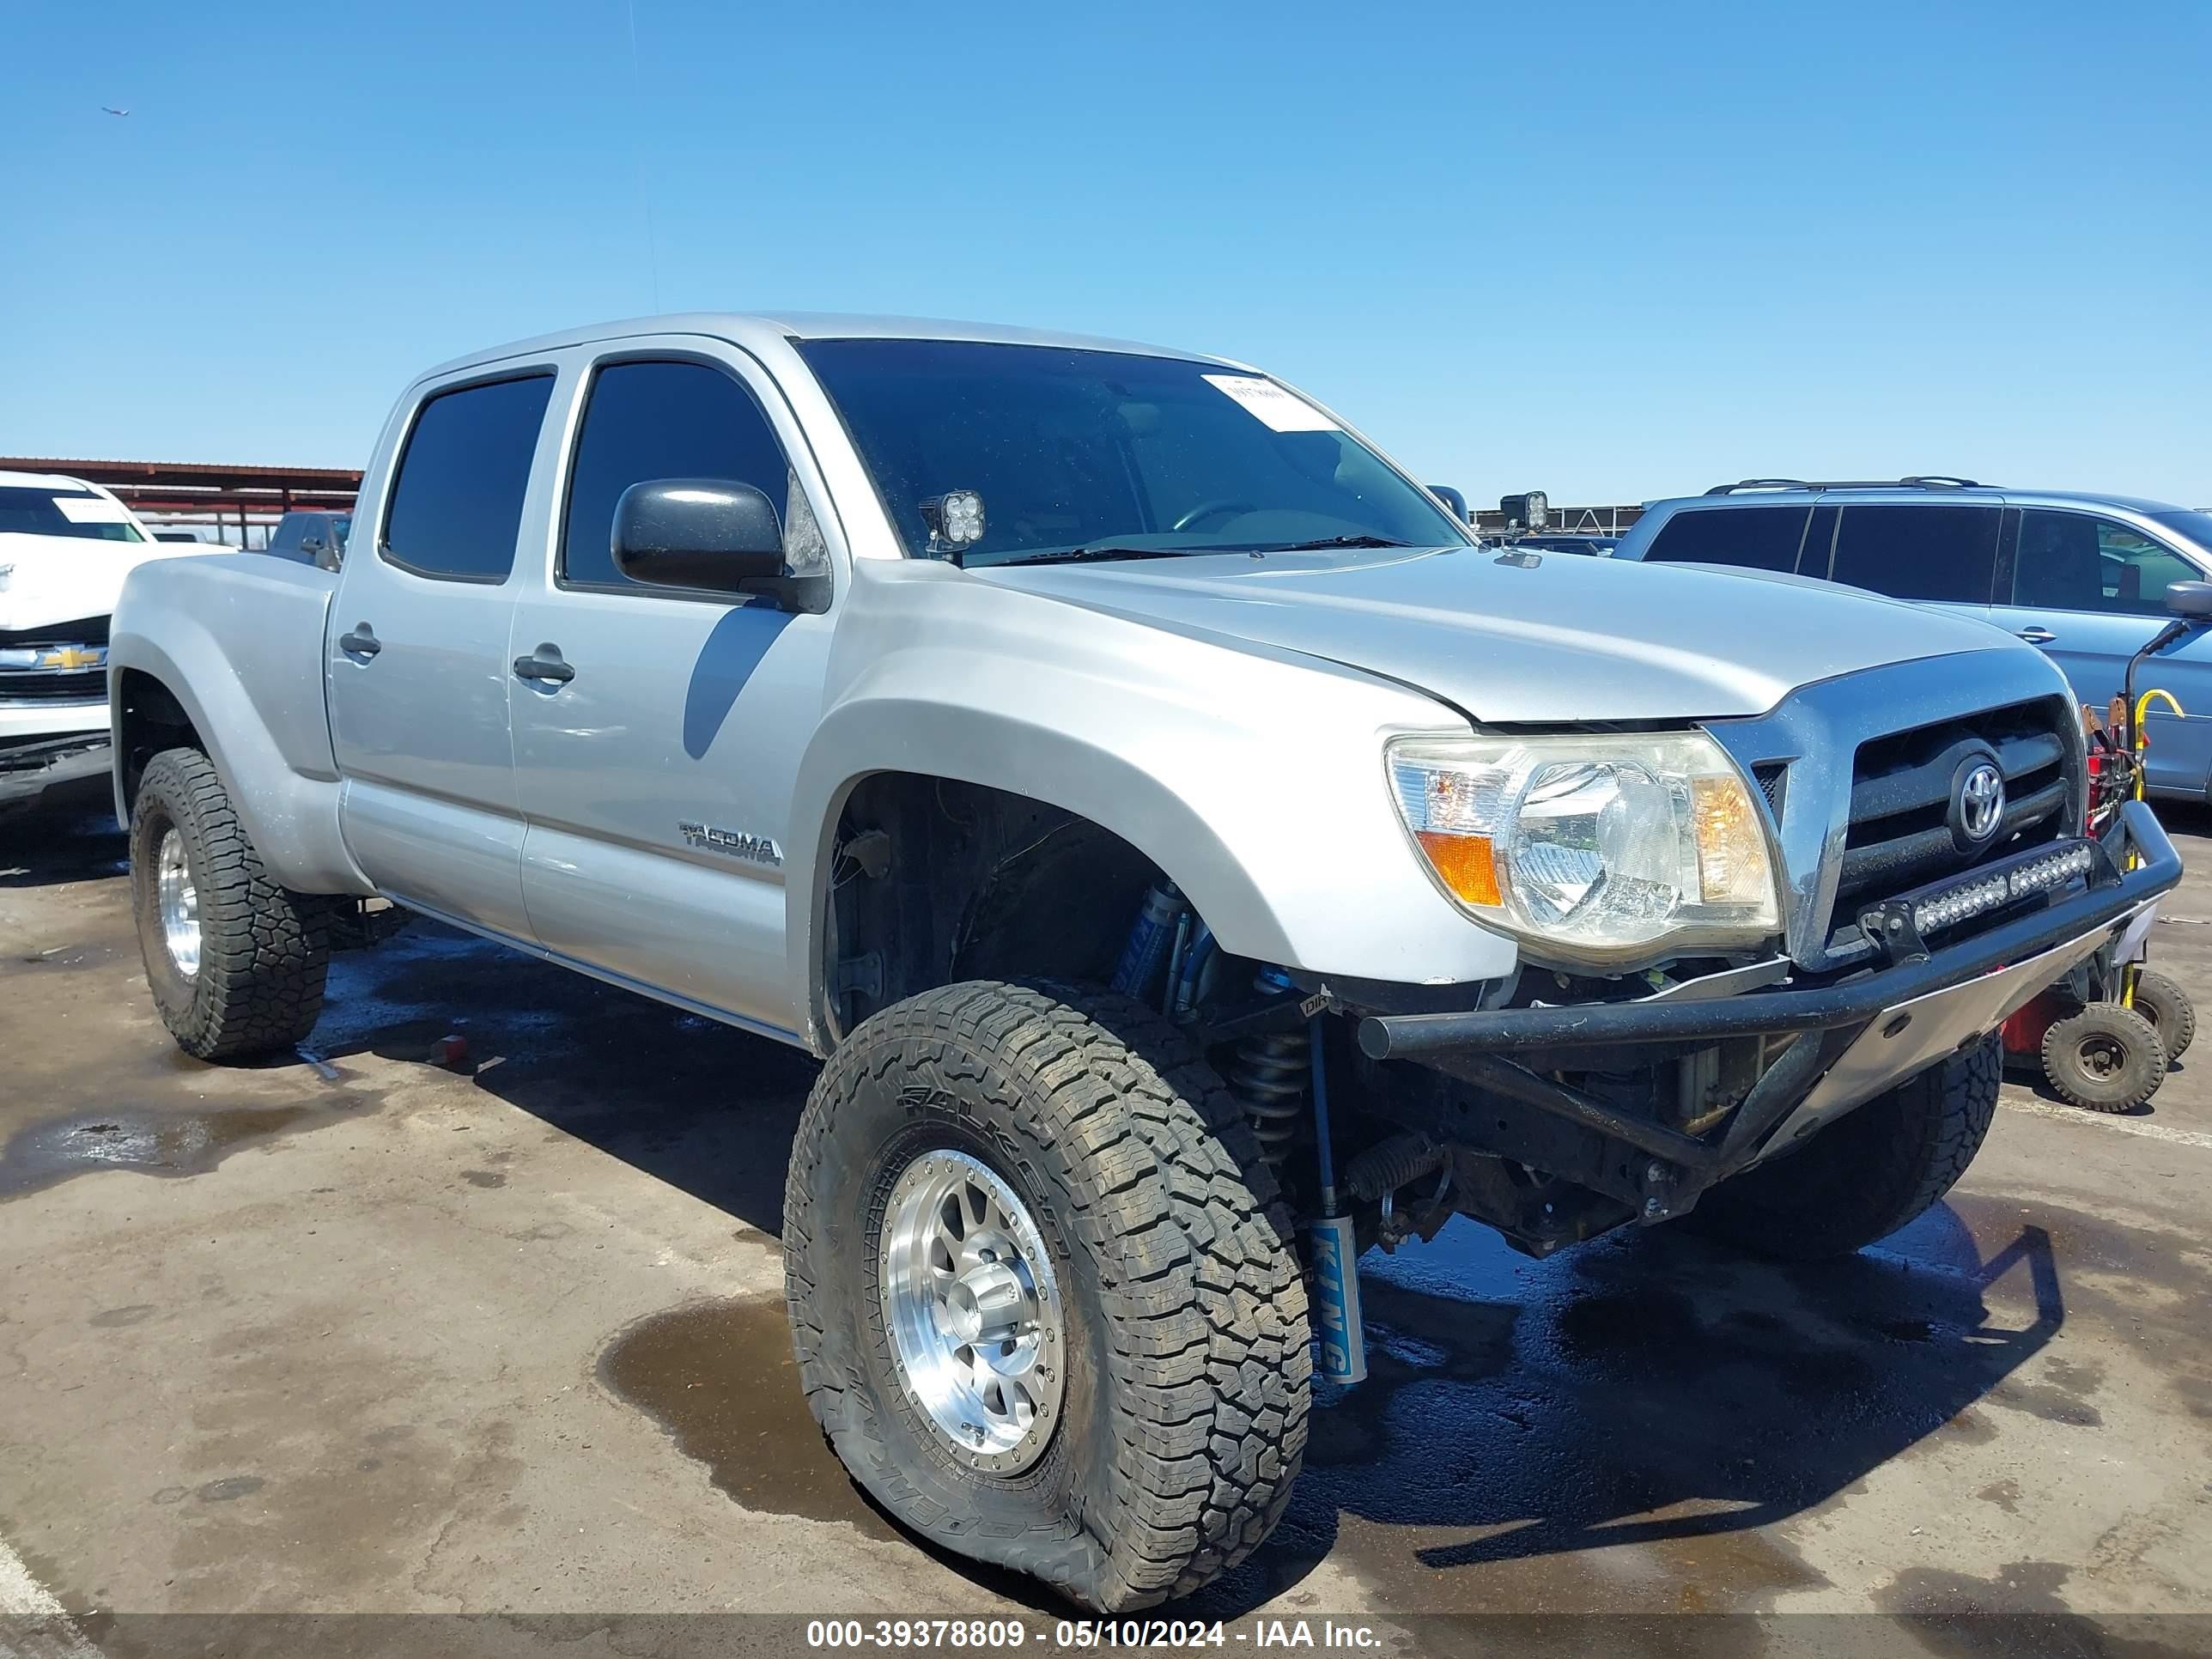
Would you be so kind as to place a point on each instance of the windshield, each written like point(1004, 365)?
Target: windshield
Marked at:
point(2197, 524)
point(36, 511)
point(1107, 450)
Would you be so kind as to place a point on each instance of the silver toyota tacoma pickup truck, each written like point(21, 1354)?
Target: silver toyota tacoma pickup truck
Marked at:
point(1194, 858)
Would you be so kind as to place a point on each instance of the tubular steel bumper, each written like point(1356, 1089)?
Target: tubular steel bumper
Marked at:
point(2113, 894)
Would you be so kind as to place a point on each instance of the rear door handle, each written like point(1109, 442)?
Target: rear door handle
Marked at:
point(544, 665)
point(2038, 635)
point(361, 642)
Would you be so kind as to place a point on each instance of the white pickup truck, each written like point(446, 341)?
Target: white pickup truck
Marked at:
point(65, 546)
point(1195, 859)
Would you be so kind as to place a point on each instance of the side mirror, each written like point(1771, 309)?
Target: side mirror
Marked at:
point(2190, 600)
point(1452, 499)
point(711, 533)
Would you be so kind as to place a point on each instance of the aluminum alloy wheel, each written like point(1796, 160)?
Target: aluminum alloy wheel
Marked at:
point(973, 1310)
point(179, 896)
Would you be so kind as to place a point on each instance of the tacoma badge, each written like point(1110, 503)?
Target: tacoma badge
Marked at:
point(758, 850)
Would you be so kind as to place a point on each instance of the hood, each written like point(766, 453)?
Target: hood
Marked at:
point(1517, 638)
point(59, 579)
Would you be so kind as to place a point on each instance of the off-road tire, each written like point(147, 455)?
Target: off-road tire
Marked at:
point(1186, 1385)
point(2169, 1010)
point(1866, 1175)
point(2105, 1059)
point(263, 950)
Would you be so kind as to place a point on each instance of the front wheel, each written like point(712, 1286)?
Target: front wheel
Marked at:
point(1866, 1175)
point(1042, 1290)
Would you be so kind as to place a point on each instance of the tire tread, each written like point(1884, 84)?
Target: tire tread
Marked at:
point(264, 950)
point(1204, 1311)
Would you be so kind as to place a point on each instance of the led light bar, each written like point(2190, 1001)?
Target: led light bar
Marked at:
point(1979, 894)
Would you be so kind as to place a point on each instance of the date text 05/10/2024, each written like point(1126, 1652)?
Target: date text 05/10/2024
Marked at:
point(1086, 1634)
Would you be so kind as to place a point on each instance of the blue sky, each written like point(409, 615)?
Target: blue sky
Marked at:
point(1612, 251)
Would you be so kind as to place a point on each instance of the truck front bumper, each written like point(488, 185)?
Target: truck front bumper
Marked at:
point(1859, 1035)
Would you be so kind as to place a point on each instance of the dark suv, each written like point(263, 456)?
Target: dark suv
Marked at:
point(2082, 576)
point(313, 538)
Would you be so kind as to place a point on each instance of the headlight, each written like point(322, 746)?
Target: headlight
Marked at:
point(1592, 848)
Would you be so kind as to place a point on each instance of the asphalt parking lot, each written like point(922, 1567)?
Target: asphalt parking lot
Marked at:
point(364, 1334)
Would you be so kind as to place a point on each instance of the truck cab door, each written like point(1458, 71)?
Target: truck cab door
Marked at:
point(2091, 591)
point(417, 658)
point(658, 732)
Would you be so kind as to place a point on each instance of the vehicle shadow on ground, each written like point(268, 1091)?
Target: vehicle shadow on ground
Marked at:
point(698, 1105)
point(1645, 1389)
point(46, 846)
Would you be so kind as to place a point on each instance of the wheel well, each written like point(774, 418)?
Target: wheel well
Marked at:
point(934, 880)
point(152, 720)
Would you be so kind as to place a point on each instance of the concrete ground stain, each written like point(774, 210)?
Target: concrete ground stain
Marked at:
point(718, 1377)
point(158, 1143)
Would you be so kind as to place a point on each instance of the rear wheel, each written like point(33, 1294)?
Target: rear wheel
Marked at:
point(2169, 1010)
point(1042, 1290)
point(1866, 1175)
point(234, 961)
point(2106, 1058)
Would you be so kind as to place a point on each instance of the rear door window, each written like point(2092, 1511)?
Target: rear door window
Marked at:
point(457, 502)
point(1945, 555)
point(1754, 538)
point(2077, 562)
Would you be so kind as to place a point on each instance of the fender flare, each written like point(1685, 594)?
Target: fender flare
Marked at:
point(997, 750)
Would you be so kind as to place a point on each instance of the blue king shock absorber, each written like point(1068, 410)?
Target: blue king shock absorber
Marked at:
point(1334, 1248)
point(1151, 937)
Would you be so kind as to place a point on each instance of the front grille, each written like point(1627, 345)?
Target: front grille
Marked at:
point(54, 685)
point(35, 684)
point(1771, 776)
point(1900, 831)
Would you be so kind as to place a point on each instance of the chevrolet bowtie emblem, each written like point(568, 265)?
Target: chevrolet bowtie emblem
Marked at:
point(73, 656)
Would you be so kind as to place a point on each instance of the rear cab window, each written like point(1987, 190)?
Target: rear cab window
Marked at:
point(457, 497)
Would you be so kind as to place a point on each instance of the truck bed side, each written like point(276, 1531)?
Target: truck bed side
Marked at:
point(230, 648)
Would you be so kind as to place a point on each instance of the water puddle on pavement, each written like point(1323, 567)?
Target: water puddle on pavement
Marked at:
point(718, 1377)
point(168, 1125)
point(179, 1143)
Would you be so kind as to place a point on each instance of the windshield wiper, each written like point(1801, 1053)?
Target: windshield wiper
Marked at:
point(1320, 542)
point(1087, 555)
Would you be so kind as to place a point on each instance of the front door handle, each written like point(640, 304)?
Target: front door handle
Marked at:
point(361, 642)
point(2038, 635)
point(544, 665)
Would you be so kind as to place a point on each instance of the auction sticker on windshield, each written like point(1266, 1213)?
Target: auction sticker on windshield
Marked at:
point(1277, 406)
point(90, 509)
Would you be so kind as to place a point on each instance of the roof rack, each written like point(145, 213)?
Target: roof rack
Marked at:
point(1916, 481)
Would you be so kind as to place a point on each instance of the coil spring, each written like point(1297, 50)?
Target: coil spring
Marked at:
point(1270, 1076)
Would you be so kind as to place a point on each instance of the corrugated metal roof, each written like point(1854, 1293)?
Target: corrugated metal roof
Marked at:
point(206, 474)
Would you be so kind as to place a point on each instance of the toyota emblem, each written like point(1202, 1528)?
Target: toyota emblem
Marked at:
point(1981, 801)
